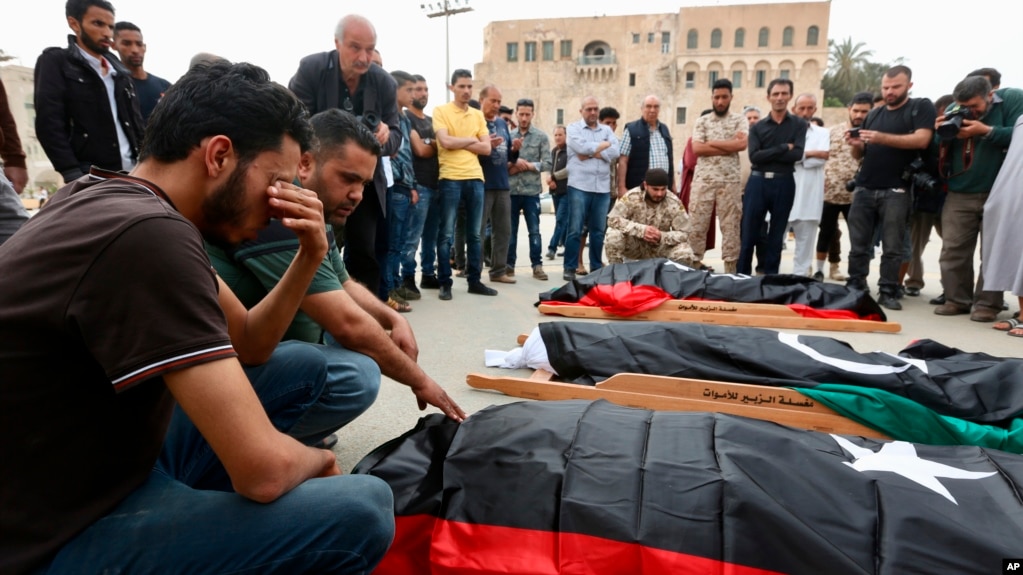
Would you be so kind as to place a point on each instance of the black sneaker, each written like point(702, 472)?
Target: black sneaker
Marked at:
point(479, 289)
point(550, 254)
point(856, 284)
point(940, 300)
point(912, 291)
point(818, 276)
point(429, 282)
point(900, 291)
point(889, 301)
point(445, 293)
point(408, 289)
point(568, 276)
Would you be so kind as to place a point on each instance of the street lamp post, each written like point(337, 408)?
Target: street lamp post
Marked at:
point(446, 8)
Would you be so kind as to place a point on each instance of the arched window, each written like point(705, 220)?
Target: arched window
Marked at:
point(812, 35)
point(715, 38)
point(764, 34)
point(786, 36)
point(692, 38)
point(740, 37)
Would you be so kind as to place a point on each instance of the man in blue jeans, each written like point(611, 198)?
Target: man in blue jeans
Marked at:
point(533, 151)
point(592, 150)
point(462, 137)
point(110, 314)
point(425, 219)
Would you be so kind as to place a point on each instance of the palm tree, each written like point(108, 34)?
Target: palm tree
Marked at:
point(846, 64)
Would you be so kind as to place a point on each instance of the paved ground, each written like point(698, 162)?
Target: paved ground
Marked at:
point(453, 336)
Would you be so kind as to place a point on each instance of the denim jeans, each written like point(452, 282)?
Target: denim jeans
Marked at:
point(588, 208)
point(530, 208)
point(308, 390)
point(12, 211)
point(765, 196)
point(471, 193)
point(418, 222)
point(561, 215)
point(170, 525)
point(888, 210)
point(399, 210)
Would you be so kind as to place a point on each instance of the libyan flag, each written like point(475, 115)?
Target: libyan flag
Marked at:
point(972, 386)
point(630, 288)
point(576, 487)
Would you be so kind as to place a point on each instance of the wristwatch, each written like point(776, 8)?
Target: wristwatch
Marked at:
point(428, 141)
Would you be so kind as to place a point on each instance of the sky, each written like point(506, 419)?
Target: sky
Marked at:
point(941, 43)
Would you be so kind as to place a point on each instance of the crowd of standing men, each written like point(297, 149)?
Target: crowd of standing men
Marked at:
point(190, 391)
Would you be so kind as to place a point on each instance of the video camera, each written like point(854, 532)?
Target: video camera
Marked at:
point(949, 129)
point(917, 176)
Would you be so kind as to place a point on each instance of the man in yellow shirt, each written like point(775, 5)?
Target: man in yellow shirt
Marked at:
point(462, 137)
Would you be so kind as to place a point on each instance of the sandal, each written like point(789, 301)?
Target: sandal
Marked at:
point(399, 305)
point(1015, 332)
point(1008, 324)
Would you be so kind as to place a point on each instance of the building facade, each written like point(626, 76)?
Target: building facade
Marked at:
point(677, 57)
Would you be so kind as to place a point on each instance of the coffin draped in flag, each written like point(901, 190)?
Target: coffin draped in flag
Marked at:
point(975, 387)
point(576, 487)
point(634, 287)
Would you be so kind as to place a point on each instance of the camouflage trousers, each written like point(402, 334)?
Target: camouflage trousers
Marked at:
point(620, 247)
point(728, 196)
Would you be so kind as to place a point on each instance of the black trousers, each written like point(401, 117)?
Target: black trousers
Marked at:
point(366, 243)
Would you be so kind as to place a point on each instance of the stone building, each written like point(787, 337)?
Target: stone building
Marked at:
point(621, 59)
point(20, 89)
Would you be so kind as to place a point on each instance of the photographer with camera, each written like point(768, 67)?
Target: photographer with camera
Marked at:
point(974, 134)
point(890, 139)
point(346, 78)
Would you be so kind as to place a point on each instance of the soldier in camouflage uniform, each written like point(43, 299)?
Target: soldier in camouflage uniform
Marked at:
point(841, 168)
point(648, 222)
point(717, 140)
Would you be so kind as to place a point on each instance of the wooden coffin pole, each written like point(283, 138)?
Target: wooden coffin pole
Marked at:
point(778, 404)
point(728, 313)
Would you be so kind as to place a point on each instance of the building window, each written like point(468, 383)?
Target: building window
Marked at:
point(764, 35)
point(650, 38)
point(680, 115)
point(566, 48)
point(632, 78)
point(548, 50)
point(740, 37)
point(715, 38)
point(559, 118)
point(692, 39)
point(530, 55)
point(665, 42)
point(737, 79)
point(635, 38)
point(785, 74)
point(786, 36)
point(690, 79)
point(761, 78)
point(812, 35)
point(513, 51)
point(712, 77)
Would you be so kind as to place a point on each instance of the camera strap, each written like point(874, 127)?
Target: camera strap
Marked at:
point(945, 159)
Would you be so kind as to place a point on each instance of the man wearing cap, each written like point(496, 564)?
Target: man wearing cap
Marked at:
point(648, 222)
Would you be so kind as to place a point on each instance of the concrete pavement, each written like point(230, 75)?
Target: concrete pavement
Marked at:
point(453, 335)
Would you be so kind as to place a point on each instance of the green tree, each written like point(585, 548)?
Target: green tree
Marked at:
point(846, 75)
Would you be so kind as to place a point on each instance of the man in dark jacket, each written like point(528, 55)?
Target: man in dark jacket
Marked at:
point(86, 109)
point(346, 78)
point(646, 145)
